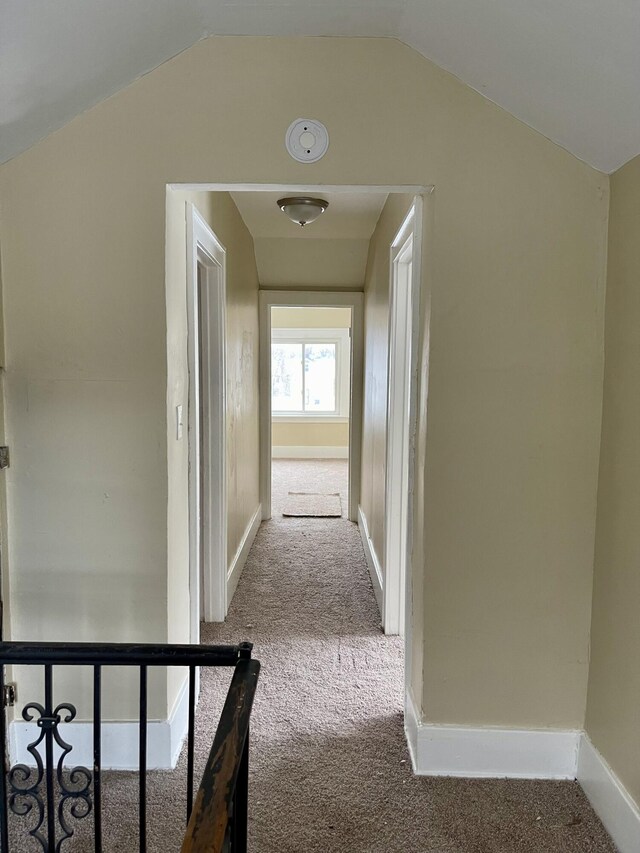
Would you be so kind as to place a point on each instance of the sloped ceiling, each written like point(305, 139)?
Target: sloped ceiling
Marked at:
point(569, 69)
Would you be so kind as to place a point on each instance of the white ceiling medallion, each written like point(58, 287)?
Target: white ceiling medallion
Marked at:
point(307, 140)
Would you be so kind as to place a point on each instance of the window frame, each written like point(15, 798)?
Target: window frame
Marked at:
point(341, 337)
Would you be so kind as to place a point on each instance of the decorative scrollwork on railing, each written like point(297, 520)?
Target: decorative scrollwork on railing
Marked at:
point(26, 784)
point(76, 789)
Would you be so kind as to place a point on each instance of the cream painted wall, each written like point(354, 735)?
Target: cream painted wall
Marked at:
point(516, 352)
point(308, 262)
point(310, 318)
point(5, 590)
point(219, 210)
point(311, 434)
point(613, 708)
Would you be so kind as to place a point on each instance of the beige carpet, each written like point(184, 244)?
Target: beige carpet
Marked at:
point(312, 505)
point(308, 475)
point(330, 771)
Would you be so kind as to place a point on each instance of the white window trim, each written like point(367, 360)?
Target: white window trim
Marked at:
point(341, 337)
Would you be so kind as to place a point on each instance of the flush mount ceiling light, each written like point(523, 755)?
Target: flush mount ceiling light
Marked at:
point(302, 209)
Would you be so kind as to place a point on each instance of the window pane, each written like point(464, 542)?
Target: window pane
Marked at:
point(320, 377)
point(286, 377)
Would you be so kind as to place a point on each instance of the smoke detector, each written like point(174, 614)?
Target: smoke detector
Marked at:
point(307, 140)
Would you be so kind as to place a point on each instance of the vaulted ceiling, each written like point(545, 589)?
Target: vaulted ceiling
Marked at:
point(569, 69)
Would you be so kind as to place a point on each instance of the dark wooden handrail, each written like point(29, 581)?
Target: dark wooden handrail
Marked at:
point(221, 799)
point(122, 654)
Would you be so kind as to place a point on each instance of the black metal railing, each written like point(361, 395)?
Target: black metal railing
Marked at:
point(54, 798)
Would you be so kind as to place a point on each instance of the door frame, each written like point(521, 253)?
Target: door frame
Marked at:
point(312, 299)
point(401, 421)
point(206, 336)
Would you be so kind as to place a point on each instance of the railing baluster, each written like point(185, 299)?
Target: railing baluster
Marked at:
point(191, 738)
point(217, 816)
point(143, 759)
point(97, 759)
point(48, 740)
point(4, 827)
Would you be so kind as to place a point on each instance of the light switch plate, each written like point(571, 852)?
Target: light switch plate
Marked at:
point(179, 424)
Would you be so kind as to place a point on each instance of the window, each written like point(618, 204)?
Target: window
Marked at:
point(310, 373)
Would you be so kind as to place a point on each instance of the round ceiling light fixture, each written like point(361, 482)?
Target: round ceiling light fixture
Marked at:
point(302, 209)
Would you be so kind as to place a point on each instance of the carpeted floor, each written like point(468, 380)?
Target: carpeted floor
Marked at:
point(330, 768)
point(308, 475)
point(330, 771)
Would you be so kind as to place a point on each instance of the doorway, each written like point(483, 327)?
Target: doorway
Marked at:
point(343, 406)
point(209, 586)
point(310, 411)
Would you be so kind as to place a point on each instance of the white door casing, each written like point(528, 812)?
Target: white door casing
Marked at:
point(206, 285)
point(404, 318)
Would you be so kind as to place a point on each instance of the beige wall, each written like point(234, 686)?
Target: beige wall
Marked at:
point(310, 318)
point(5, 590)
point(613, 709)
point(309, 262)
point(311, 434)
point(516, 360)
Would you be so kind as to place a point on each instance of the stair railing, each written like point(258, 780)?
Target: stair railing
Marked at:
point(54, 798)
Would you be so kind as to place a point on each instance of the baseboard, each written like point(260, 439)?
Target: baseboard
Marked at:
point(375, 570)
point(490, 753)
point(179, 719)
point(240, 557)
point(303, 451)
point(411, 722)
point(119, 740)
point(611, 801)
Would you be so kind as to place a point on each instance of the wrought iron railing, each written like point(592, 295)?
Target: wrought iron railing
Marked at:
point(54, 797)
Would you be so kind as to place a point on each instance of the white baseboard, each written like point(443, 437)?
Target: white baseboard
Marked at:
point(490, 753)
point(610, 799)
point(240, 557)
point(411, 722)
point(375, 570)
point(303, 451)
point(119, 740)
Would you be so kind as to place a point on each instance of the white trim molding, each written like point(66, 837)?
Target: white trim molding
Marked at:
point(375, 569)
point(405, 265)
point(206, 344)
point(611, 801)
point(301, 189)
point(119, 740)
point(240, 557)
point(490, 753)
point(309, 451)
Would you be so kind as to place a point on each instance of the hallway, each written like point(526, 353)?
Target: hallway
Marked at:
point(330, 769)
